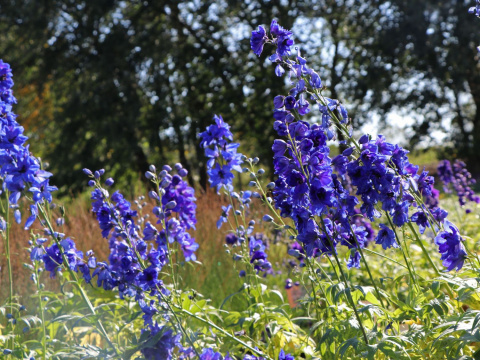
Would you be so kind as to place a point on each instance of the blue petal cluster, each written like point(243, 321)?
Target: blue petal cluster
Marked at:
point(281, 356)
point(258, 255)
point(163, 348)
point(450, 245)
point(317, 191)
point(129, 252)
point(138, 250)
point(475, 9)
point(460, 179)
point(20, 170)
point(221, 153)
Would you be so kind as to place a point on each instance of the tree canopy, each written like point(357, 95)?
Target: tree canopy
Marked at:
point(121, 85)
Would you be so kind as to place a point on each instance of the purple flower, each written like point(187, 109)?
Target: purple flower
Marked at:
point(258, 40)
point(6, 81)
point(164, 347)
point(450, 245)
point(386, 237)
point(224, 217)
point(221, 153)
point(421, 219)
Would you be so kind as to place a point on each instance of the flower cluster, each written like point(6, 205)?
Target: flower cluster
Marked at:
point(52, 257)
point(475, 9)
point(129, 250)
point(310, 185)
point(164, 347)
point(258, 255)
point(138, 250)
point(221, 153)
point(20, 170)
point(176, 208)
point(460, 179)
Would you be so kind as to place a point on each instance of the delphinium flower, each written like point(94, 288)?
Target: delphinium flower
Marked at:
point(475, 9)
point(386, 237)
point(221, 153)
point(210, 354)
point(164, 347)
point(281, 356)
point(296, 250)
point(231, 239)
point(445, 173)
point(460, 179)
point(258, 255)
point(450, 245)
point(138, 253)
point(176, 208)
point(20, 170)
point(309, 186)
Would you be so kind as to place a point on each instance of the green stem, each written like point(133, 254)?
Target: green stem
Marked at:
point(252, 349)
point(349, 295)
point(42, 315)
point(74, 276)
point(9, 260)
point(403, 252)
point(424, 250)
point(385, 257)
point(367, 267)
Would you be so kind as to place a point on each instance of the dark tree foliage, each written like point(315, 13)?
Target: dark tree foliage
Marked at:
point(437, 41)
point(122, 84)
point(133, 83)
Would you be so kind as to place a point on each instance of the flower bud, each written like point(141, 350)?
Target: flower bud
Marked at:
point(364, 139)
point(97, 175)
point(149, 175)
point(18, 216)
point(170, 205)
point(267, 218)
point(165, 182)
point(183, 172)
point(178, 166)
point(153, 195)
point(152, 168)
point(163, 173)
point(87, 172)
point(91, 183)
point(167, 168)
point(271, 186)
point(109, 182)
point(255, 160)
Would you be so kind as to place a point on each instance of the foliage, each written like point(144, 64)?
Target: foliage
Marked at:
point(125, 84)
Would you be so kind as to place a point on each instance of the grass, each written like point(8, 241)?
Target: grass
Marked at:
point(216, 276)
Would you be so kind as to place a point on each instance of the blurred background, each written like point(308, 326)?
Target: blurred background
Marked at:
point(123, 84)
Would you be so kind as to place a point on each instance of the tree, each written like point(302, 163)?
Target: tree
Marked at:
point(121, 84)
